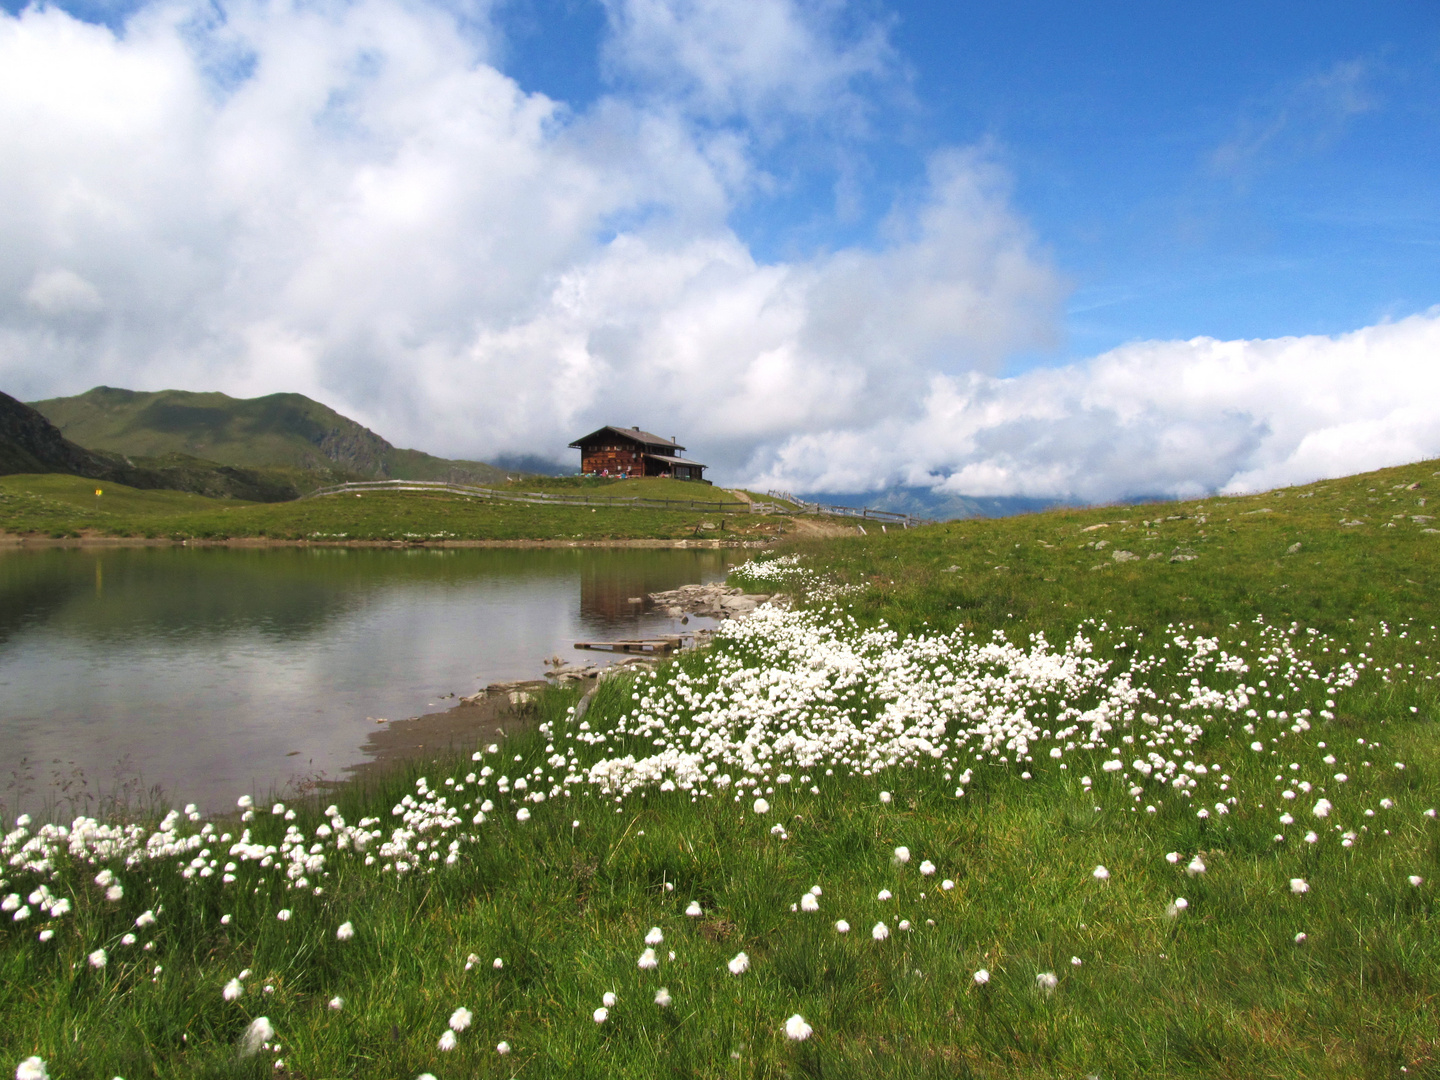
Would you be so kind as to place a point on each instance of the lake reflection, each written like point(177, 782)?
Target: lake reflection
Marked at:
point(214, 671)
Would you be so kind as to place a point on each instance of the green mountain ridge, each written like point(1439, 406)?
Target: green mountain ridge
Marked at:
point(30, 443)
point(289, 430)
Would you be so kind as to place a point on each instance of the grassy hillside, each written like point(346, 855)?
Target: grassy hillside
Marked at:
point(992, 803)
point(278, 429)
point(65, 506)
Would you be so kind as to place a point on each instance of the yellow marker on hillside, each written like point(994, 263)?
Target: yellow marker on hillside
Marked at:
point(98, 493)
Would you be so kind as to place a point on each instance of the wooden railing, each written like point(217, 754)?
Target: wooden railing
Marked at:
point(885, 517)
point(474, 491)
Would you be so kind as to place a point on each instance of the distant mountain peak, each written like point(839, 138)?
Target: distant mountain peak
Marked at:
point(281, 429)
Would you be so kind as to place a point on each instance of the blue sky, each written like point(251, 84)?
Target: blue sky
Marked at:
point(844, 246)
point(1223, 169)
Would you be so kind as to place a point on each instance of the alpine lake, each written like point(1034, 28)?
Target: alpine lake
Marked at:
point(148, 675)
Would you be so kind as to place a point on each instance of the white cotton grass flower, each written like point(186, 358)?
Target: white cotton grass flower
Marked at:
point(842, 927)
point(927, 868)
point(809, 903)
point(98, 959)
point(654, 936)
point(345, 931)
point(447, 1042)
point(144, 919)
point(648, 960)
point(739, 964)
point(902, 855)
point(947, 884)
point(1195, 866)
point(1100, 874)
point(797, 1029)
point(1323, 808)
point(337, 1003)
point(1046, 982)
point(600, 1015)
point(883, 894)
point(885, 797)
point(256, 1035)
point(1075, 961)
point(663, 998)
point(283, 914)
point(502, 1048)
point(523, 814)
point(981, 977)
point(608, 999)
point(1311, 837)
point(114, 893)
point(1176, 907)
point(693, 910)
point(460, 1019)
point(761, 806)
point(233, 989)
point(1416, 880)
point(32, 1068)
point(1172, 857)
point(1299, 886)
point(498, 964)
point(880, 931)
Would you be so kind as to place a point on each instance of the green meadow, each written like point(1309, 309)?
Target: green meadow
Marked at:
point(1139, 791)
point(56, 506)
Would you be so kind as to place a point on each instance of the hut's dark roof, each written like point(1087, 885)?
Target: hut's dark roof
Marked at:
point(675, 460)
point(633, 434)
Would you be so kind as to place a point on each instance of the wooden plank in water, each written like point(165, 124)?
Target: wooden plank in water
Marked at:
point(648, 645)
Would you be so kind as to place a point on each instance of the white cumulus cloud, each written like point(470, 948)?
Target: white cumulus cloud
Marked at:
point(350, 200)
point(353, 200)
point(1177, 418)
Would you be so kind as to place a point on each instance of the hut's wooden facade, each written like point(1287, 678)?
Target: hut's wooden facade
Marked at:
point(617, 451)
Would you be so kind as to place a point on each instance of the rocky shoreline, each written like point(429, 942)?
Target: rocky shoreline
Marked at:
point(715, 601)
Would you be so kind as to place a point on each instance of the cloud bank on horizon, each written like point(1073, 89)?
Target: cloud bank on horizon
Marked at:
point(356, 202)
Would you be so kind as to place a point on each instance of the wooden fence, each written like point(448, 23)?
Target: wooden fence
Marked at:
point(474, 491)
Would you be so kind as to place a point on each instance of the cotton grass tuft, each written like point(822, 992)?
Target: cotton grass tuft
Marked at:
point(797, 1029)
point(256, 1035)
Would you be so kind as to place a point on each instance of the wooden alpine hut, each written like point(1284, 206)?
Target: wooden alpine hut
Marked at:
point(619, 451)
